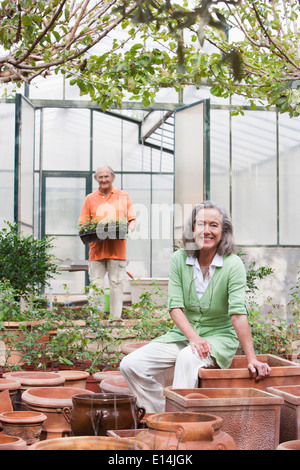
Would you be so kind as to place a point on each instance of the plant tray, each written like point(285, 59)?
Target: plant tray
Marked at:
point(114, 234)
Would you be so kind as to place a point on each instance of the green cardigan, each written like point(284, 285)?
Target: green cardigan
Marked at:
point(209, 316)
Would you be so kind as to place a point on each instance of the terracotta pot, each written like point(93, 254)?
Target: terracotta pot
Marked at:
point(51, 401)
point(93, 415)
point(24, 424)
point(250, 416)
point(290, 411)
point(107, 374)
point(74, 378)
point(5, 402)
point(36, 379)
point(283, 372)
point(92, 384)
point(11, 443)
point(12, 386)
point(115, 385)
point(289, 445)
point(185, 431)
point(89, 443)
point(30, 379)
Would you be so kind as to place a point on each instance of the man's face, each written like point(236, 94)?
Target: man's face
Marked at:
point(104, 179)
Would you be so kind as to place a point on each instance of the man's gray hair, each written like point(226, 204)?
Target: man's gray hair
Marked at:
point(226, 245)
point(109, 168)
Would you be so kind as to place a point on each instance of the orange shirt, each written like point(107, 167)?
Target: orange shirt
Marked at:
point(117, 205)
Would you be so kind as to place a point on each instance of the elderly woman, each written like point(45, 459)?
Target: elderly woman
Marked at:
point(207, 304)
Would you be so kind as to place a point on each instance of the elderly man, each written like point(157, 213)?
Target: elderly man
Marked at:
point(108, 203)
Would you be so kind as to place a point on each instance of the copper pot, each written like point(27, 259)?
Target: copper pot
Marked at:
point(94, 415)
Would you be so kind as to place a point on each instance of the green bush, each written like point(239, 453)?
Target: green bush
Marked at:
point(273, 332)
point(27, 263)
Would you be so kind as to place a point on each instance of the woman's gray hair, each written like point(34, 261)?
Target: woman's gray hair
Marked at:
point(226, 245)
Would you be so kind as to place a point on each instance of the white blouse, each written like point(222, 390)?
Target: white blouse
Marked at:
point(201, 283)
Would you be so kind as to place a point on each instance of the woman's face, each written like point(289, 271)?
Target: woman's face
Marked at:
point(208, 229)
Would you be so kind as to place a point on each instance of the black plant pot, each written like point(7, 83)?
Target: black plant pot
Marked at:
point(88, 237)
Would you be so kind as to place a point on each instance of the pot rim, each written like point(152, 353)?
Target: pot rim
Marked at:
point(9, 383)
point(104, 397)
point(163, 421)
point(79, 441)
point(34, 396)
point(36, 378)
point(22, 417)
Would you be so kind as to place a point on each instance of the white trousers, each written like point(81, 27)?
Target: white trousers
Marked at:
point(116, 269)
point(141, 367)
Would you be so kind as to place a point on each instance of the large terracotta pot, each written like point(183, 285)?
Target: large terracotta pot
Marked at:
point(33, 379)
point(290, 411)
point(250, 416)
point(36, 378)
point(185, 431)
point(115, 385)
point(283, 372)
point(26, 425)
point(12, 386)
point(289, 445)
point(11, 443)
point(89, 443)
point(51, 401)
point(107, 374)
point(94, 415)
point(74, 378)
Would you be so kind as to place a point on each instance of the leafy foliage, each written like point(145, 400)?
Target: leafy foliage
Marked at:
point(27, 263)
point(150, 44)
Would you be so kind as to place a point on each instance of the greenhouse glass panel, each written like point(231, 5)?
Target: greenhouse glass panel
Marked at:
point(107, 140)
point(254, 178)
point(66, 139)
point(289, 187)
point(162, 215)
point(139, 244)
point(7, 139)
point(190, 159)
point(68, 248)
point(162, 162)
point(136, 157)
point(63, 202)
point(220, 157)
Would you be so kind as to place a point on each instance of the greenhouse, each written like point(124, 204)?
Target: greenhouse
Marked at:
point(164, 107)
point(248, 163)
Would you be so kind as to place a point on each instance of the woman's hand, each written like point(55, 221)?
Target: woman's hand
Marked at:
point(261, 369)
point(201, 346)
point(241, 326)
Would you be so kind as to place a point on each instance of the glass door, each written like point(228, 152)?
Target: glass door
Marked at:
point(62, 199)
